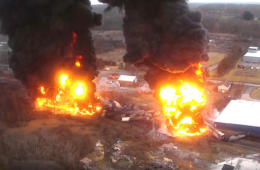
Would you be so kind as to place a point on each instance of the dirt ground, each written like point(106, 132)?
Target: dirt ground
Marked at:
point(65, 140)
point(116, 55)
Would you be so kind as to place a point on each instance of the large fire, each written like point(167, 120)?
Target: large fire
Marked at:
point(65, 100)
point(182, 106)
point(68, 93)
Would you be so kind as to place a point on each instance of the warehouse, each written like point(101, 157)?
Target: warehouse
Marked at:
point(252, 56)
point(240, 115)
point(127, 80)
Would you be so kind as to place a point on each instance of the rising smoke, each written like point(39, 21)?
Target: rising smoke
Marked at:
point(41, 33)
point(164, 35)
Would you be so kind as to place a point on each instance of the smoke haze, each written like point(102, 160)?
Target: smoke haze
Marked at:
point(41, 33)
point(164, 35)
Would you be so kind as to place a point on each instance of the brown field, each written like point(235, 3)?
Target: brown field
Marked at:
point(215, 58)
point(256, 94)
point(109, 35)
point(246, 76)
point(116, 55)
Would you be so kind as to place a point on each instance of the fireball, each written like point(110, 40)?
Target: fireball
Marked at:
point(181, 106)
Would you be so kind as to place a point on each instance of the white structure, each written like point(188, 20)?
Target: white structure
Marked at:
point(127, 80)
point(253, 55)
point(224, 87)
point(240, 115)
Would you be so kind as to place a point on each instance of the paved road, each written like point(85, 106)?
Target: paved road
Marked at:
point(246, 84)
point(249, 88)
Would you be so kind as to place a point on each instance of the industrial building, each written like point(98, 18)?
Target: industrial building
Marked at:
point(224, 87)
point(240, 115)
point(127, 80)
point(252, 55)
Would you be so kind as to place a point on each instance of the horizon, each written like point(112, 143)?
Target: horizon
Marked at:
point(95, 2)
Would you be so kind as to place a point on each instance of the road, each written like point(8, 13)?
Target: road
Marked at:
point(245, 84)
point(249, 88)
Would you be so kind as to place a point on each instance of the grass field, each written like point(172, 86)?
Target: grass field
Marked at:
point(231, 76)
point(116, 55)
point(256, 94)
point(215, 57)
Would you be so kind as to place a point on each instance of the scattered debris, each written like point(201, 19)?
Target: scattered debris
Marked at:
point(228, 167)
point(124, 161)
point(96, 158)
point(216, 149)
point(236, 137)
point(215, 132)
point(86, 163)
point(125, 119)
point(128, 112)
point(164, 163)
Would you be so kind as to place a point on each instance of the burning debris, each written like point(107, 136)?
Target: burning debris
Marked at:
point(49, 39)
point(182, 106)
point(128, 112)
point(168, 38)
point(67, 100)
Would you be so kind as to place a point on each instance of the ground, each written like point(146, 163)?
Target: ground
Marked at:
point(116, 55)
point(256, 94)
point(65, 140)
point(239, 75)
point(215, 58)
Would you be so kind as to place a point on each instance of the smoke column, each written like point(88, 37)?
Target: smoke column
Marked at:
point(46, 36)
point(164, 35)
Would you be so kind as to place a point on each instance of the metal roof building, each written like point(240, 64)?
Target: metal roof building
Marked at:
point(253, 55)
point(240, 115)
point(127, 80)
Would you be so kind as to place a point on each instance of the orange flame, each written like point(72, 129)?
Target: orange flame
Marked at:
point(77, 64)
point(180, 105)
point(79, 91)
point(65, 98)
point(42, 90)
point(63, 80)
point(199, 73)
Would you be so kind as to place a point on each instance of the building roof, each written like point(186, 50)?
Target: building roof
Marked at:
point(249, 54)
point(225, 83)
point(253, 48)
point(127, 78)
point(241, 112)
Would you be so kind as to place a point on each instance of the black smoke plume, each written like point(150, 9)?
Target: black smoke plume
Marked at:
point(164, 35)
point(41, 35)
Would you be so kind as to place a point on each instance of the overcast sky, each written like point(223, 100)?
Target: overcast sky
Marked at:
point(207, 1)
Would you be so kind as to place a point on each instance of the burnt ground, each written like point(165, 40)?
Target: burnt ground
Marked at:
point(36, 137)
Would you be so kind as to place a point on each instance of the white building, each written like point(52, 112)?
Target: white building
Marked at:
point(240, 115)
point(252, 56)
point(224, 87)
point(127, 80)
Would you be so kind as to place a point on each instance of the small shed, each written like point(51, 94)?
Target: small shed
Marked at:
point(127, 80)
point(224, 87)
